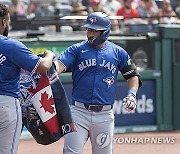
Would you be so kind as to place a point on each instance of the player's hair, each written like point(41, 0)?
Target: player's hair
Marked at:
point(3, 10)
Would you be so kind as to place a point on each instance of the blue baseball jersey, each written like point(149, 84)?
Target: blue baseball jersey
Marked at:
point(13, 56)
point(94, 71)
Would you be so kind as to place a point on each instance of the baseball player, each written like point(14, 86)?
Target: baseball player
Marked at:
point(13, 56)
point(95, 63)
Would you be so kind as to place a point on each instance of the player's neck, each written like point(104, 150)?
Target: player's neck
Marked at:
point(100, 45)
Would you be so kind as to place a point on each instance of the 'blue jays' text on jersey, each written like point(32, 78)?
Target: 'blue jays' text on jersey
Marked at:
point(13, 56)
point(94, 71)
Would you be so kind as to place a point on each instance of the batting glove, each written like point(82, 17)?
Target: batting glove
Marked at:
point(129, 102)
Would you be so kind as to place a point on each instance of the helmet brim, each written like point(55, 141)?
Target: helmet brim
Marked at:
point(94, 27)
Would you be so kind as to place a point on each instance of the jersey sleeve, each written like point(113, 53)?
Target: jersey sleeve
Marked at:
point(124, 59)
point(68, 56)
point(24, 58)
point(127, 67)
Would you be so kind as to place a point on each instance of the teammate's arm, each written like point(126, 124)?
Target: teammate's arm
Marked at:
point(46, 61)
point(59, 66)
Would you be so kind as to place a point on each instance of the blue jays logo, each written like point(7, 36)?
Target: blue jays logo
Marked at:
point(109, 81)
point(93, 20)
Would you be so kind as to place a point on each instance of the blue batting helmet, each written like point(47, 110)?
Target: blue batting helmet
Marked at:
point(99, 21)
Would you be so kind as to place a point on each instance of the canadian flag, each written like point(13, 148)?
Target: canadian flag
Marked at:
point(43, 101)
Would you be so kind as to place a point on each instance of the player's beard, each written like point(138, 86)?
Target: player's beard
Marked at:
point(6, 31)
point(90, 40)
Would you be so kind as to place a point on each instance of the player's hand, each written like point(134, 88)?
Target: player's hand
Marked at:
point(49, 53)
point(129, 103)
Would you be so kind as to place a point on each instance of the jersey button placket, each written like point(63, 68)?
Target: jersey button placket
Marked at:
point(97, 73)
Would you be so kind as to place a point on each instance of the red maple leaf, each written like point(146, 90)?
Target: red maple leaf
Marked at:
point(42, 83)
point(47, 102)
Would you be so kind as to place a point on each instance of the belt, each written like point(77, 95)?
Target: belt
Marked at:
point(92, 107)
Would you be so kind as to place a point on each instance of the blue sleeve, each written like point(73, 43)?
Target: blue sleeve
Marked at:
point(23, 57)
point(124, 59)
point(68, 56)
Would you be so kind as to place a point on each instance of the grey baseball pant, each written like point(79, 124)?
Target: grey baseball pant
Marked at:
point(98, 126)
point(10, 124)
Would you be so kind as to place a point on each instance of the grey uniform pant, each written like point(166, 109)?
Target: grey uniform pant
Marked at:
point(98, 126)
point(10, 124)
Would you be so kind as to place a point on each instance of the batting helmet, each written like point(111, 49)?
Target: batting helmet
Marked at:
point(99, 21)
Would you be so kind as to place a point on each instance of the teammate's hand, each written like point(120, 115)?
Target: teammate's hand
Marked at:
point(49, 53)
point(129, 102)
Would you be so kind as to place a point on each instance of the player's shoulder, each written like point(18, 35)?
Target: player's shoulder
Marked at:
point(11, 43)
point(78, 46)
point(115, 46)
